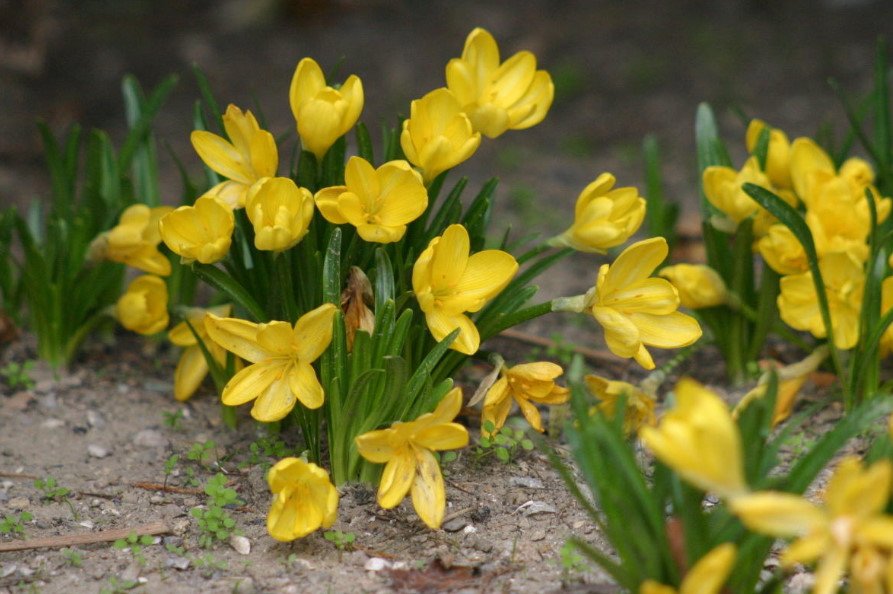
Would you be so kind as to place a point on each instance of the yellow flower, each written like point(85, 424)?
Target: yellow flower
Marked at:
point(778, 158)
point(378, 202)
point(512, 95)
point(844, 283)
point(192, 366)
point(448, 282)
point(700, 441)
point(280, 212)
point(852, 516)
point(438, 135)
point(201, 232)
point(281, 374)
point(706, 577)
point(304, 499)
point(638, 311)
point(886, 344)
point(790, 380)
point(143, 307)
point(604, 216)
point(698, 285)
point(782, 251)
point(407, 449)
point(134, 240)
point(639, 405)
point(250, 154)
point(526, 384)
point(323, 114)
point(723, 187)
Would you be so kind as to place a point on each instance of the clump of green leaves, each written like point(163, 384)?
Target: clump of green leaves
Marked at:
point(343, 541)
point(117, 585)
point(14, 525)
point(73, 557)
point(214, 521)
point(504, 443)
point(265, 449)
point(50, 490)
point(172, 419)
point(203, 453)
point(18, 375)
point(135, 543)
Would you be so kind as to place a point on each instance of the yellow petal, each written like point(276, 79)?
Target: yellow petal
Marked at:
point(397, 478)
point(376, 446)
point(670, 331)
point(652, 587)
point(305, 386)
point(308, 80)
point(635, 263)
point(220, 156)
point(313, 332)
point(274, 403)
point(831, 568)
point(428, 494)
point(447, 436)
point(449, 406)
point(191, 370)
point(777, 514)
point(486, 274)
point(237, 336)
point(710, 572)
point(441, 324)
point(327, 203)
point(530, 413)
point(450, 257)
point(252, 381)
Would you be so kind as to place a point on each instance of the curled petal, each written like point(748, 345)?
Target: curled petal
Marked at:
point(428, 493)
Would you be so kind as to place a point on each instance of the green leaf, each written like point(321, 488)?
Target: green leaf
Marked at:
point(364, 143)
point(427, 365)
point(223, 282)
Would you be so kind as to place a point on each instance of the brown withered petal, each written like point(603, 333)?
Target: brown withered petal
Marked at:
point(355, 301)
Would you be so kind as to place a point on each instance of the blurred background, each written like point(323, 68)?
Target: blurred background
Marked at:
point(622, 69)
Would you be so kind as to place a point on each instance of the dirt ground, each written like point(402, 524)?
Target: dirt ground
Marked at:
point(622, 69)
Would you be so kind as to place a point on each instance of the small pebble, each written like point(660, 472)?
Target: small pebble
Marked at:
point(377, 564)
point(528, 482)
point(149, 438)
point(180, 563)
point(244, 585)
point(52, 424)
point(94, 419)
point(240, 544)
point(19, 503)
point(536, 507)
point(455, 525)
point(538, 535)
point(97, 451)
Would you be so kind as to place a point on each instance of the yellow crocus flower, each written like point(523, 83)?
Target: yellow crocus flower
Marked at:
point(192, 366)
point(778, 157)
point(250, 154)
point(304, 499)
point(604, 217)
point(280, 212)
point(698, 285)
point(707, 576)
point(782, 250)
point(498, 96)
point(200, 232)
point(438, 135)
point(526, 384)
point(699, 440)
point(134, 240)
point(844, 283)
point(723, 187)
point(281, 355)
point(407, 449)
point(851, 517)
point(448, 282)
point(323, 113)
point(636, 310)
point(143, 307)
point(378, 202)
point(639, 405)
point(886, 344)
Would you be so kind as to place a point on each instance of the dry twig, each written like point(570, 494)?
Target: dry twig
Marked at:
point(68, 540)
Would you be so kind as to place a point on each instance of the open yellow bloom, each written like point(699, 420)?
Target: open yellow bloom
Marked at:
point(201, 232)
point(511, 95)
point(438, 135)
point(700, 441)
point(304, 499)
point(778, 157)
point(723, 187)
point(707, 576)
point(852, 516)
point(323, 114)
point(698, 285)
point(250, 154)
point(844, 283)
point(134, 240)
point(378, 202)
point(639, 405)
point(281, 355)
point(192, 366)
point(407, 449)
point(143, 307)
point(604, 216)
point(638, 311)
point(280, 212)
point(448, 282)
point(526, 384)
